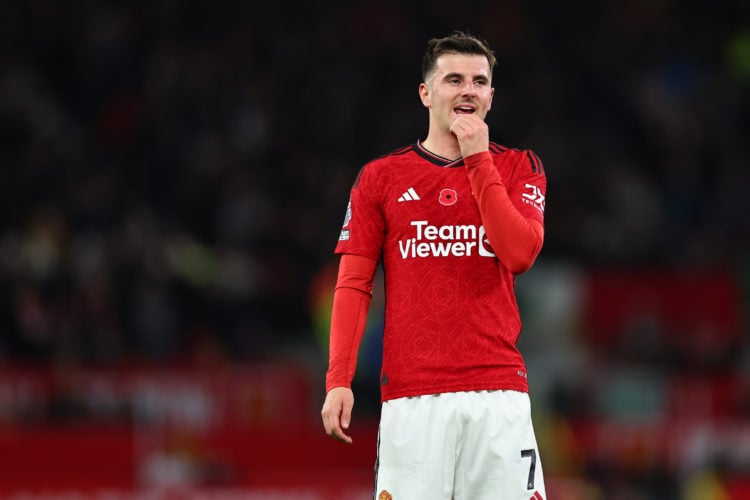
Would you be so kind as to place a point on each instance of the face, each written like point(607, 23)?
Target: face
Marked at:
point(459, 84)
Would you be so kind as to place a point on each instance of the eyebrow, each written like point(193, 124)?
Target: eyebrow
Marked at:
point(460, 75)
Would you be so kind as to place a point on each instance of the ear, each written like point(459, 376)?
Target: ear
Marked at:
point(424, 94)
point(492, 94)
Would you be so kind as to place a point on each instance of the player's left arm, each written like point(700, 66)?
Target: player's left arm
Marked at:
point(516, 231)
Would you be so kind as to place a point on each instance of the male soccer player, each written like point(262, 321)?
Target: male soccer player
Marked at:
point(454, 218)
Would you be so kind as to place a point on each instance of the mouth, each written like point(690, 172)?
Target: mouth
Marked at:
point(464, 109)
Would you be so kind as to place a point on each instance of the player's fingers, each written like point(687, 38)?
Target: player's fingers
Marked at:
point(340, 435)
point(455, 128)
point(337, 412)
point(346, 413)
point(341, 421)
point(332, 425)
point(333, 429)
point(329, 419)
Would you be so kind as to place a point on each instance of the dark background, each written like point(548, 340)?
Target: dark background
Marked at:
point(174, 174)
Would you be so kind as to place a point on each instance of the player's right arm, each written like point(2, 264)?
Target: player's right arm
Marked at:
point(351, 301)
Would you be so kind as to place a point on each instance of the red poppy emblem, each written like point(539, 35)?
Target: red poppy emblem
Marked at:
point(448, 197)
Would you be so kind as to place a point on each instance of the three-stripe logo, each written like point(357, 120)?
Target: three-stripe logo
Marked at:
point(409, 195)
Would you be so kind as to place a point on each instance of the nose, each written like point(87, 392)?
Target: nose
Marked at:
point(469, 89)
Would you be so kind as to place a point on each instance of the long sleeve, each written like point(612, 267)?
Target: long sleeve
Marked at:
point(515, 239)
point(351, 302)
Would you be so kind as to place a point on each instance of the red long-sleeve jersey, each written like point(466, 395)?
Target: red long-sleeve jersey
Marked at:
point(451, 236)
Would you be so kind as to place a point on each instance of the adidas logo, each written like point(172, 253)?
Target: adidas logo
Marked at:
point(409, 195)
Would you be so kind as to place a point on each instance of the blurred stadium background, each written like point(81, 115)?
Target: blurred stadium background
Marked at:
point(174, 175)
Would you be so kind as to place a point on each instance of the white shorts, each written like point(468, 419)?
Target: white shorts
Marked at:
point(458, 446)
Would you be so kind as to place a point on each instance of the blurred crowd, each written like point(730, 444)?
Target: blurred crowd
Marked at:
point(174, 173)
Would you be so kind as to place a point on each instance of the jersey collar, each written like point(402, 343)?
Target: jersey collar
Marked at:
point(438, 160)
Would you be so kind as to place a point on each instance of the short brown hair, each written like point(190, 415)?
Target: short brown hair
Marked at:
point(457, 42)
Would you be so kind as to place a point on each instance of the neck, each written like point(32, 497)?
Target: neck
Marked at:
point(445, 146)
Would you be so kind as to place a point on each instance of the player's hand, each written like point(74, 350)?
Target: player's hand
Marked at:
point(472, 133)
point(337, 413)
